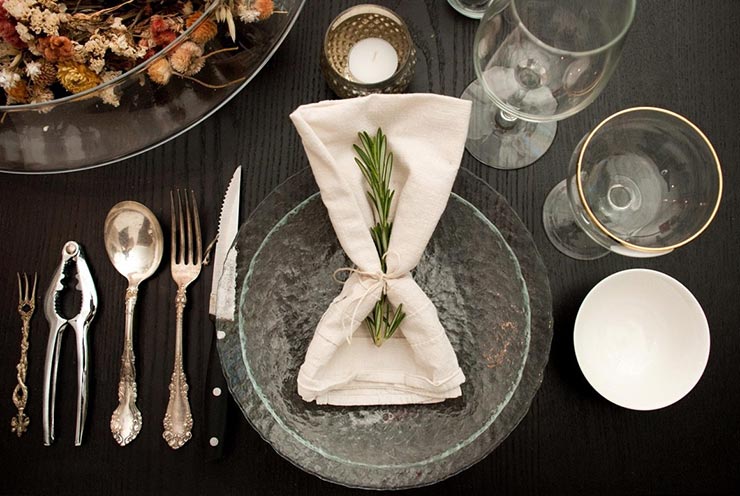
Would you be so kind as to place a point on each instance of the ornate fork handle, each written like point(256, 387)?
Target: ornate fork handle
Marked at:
point(19, 423)
point(178, 421)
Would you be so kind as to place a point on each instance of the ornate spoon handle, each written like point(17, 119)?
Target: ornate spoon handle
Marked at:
point(178, 420)
point(125, 423)
point(19, 423)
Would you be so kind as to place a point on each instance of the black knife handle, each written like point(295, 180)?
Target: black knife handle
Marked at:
point(216, 398)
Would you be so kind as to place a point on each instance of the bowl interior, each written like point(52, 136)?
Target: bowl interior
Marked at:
point(641, 339)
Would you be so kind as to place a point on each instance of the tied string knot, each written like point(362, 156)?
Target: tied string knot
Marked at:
point(377, 279)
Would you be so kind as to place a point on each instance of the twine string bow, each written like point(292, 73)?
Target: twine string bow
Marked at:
point(379, 279)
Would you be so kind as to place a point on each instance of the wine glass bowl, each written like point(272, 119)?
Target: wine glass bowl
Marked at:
point(537, 62)
point(644, 182)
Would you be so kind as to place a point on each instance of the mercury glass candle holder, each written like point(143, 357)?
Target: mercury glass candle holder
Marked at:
point(354, 25)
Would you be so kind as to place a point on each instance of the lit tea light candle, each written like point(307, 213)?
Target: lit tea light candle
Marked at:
point(372, 60)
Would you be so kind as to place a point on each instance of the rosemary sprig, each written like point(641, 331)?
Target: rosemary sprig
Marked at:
point(376, 163)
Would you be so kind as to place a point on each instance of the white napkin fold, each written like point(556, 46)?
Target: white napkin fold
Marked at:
point(426, 134)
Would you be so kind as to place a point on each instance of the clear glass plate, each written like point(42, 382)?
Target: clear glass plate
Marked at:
point(490, 287)
point(80, 131)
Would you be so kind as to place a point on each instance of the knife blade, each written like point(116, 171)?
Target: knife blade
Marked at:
point(224, 265)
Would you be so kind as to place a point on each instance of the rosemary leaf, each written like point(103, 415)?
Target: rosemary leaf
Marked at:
point(376, 164)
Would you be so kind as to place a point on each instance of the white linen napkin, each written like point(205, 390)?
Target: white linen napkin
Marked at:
point(426, 134)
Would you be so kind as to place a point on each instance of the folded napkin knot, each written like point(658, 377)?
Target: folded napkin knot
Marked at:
point(427, 136)
point(379, 280)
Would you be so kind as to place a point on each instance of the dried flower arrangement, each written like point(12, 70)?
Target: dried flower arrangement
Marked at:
point(49, 50)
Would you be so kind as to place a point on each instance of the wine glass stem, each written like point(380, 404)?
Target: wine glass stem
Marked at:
point(505, 120)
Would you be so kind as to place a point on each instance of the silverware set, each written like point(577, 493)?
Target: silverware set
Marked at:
point(135, 243)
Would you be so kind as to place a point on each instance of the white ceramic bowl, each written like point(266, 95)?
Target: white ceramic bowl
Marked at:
point(641, 339)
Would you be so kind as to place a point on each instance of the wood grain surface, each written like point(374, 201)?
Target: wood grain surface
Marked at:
point(683, 55)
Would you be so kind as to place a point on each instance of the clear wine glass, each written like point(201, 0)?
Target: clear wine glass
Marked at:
point(537, 62)
point(470, 8)
point(642, 183)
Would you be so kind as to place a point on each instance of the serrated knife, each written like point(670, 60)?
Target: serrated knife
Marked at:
point(224, 265)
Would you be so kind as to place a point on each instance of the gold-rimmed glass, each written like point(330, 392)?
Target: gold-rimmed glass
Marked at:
point(644, 182)
point(537, 62)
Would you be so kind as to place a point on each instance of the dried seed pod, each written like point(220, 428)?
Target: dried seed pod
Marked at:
point(205, 31)
point(45, 74)
point(77, 78)
point(160, 71)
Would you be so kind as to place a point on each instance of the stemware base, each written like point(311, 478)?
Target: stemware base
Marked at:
point(503, 147)
point(561, 227)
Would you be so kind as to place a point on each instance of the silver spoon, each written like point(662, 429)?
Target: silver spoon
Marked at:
point(134, 242)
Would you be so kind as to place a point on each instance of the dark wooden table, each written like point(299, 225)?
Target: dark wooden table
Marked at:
point(680, 55)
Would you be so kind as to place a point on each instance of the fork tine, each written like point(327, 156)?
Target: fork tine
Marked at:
point(33, 292)
point(196, 221)
point(189, 222)
point(173, 230)
point(20, 289)
point(26, 287)
point(181, 253)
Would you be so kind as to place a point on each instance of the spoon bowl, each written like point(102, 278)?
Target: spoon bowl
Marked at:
point(133, 240)
point(135, 243)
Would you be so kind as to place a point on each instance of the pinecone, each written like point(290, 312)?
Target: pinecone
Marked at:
point(46, 75)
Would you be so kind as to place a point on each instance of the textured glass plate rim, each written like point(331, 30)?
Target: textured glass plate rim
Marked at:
point(535, 272)
point(237, 89)
point(437, 457)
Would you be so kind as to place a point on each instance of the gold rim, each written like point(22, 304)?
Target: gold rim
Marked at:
point(601, 226)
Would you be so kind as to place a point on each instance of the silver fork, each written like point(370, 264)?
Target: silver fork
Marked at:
point(26, 306)
point(186, 261)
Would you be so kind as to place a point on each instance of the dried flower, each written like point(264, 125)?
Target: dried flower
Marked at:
point(33, 69)
point(247, 13)
point(19, 9)
point(187, 58)
point(42, 21)
point(76, 77)
point(24, 34)
point(160, 71)
point(109, 94)
point(117, 24)
point(8, 78)
point(41, 73)
point(96, 64)
point(8, 31)
point(18, 92)
point(55, 48)
point(204, 32)
point(40, 95)
point(264, 7)
point(161, 30)
point(41, 43)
